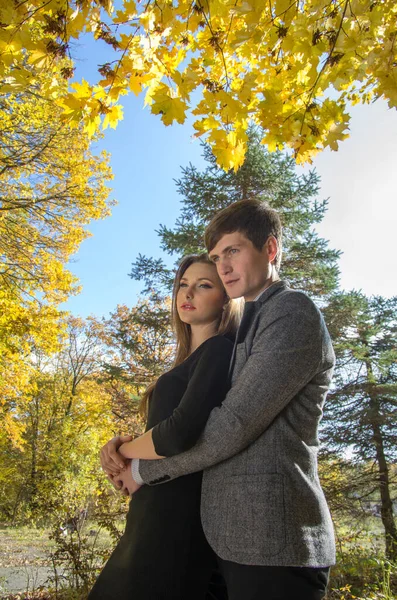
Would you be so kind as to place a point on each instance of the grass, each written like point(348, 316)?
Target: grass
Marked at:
point(26, 557)
point(361, 573)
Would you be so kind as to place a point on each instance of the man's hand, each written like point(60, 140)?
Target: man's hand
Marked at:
point(114, 481)
point(126, 482)
point(111, 461)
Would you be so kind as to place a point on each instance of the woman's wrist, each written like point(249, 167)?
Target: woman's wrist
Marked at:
point(125, 450)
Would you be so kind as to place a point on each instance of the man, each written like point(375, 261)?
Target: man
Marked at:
point(263, 510)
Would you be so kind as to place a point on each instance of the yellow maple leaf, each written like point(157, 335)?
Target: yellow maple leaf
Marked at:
point(228, 148)
point(170, 109)
point(83, 90)
point(271, 141)
point(112, 117)
point(204, 125)
point(91, 124)
point(336, 134)
point(39, 59)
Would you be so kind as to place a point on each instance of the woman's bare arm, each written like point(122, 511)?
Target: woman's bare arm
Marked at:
point(141, 447)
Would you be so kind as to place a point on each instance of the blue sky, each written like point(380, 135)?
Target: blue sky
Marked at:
point(360, 181)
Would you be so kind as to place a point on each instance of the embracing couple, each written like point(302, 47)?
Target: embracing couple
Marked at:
point(225, 478)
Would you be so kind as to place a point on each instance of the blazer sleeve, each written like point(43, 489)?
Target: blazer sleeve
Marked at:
point(207, 387)
point(286, 354)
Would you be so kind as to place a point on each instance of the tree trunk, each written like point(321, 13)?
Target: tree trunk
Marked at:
point(384, 483)
point(33, 464)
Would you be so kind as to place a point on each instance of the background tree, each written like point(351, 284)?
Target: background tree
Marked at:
point(307, 262)
point(361, 410)
point(24, 326)
point(139, 349)
point(51, 186)
point(290, 67)
point(66, 416)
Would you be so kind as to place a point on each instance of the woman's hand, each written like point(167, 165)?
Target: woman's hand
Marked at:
point(111, 461)
point(125, 482)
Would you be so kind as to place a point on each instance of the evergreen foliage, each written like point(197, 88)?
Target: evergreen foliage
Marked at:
point(308, 263)
point(361, 411)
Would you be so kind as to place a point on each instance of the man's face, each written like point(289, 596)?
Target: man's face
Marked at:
point(244, 270)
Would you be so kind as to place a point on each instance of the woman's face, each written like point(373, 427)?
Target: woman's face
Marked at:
point(201, 296)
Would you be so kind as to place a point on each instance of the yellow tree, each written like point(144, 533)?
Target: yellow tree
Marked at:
point(290, 67)
point(66, 415)
point(139, 348)
point(51, 187)
point(24, 325)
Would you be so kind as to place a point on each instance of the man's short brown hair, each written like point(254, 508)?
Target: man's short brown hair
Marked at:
point(253, 218)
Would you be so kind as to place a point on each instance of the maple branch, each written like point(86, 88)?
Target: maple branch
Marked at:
point(32, 158)
point(31, 14)
point(326, 62)
point(218, 47)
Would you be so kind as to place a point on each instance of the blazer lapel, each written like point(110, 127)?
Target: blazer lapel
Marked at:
point(249, 310)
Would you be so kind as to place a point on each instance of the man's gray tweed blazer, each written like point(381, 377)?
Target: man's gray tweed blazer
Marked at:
point(262, 503)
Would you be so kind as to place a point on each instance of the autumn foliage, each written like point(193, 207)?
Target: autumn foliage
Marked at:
point(52, 185)
point(290, 67)
point(253, 74)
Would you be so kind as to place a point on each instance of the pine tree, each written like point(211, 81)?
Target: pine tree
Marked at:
point(139, 348)
point(308, 263)
point(361, 411)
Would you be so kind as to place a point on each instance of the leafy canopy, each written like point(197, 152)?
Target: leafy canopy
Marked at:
point(51, 186)
point(290, 67)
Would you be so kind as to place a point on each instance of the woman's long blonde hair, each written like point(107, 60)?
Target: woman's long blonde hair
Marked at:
point(228, 322)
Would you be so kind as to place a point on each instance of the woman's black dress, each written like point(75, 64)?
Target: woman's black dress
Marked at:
point(163, 553)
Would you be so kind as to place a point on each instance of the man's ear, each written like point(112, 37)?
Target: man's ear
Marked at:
point(272, 247)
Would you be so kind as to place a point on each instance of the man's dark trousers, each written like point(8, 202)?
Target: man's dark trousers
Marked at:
point(251, 582)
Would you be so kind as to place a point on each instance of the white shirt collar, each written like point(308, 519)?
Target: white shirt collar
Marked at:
point(263, 291)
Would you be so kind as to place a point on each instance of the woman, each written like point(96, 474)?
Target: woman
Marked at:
point(163, 552)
